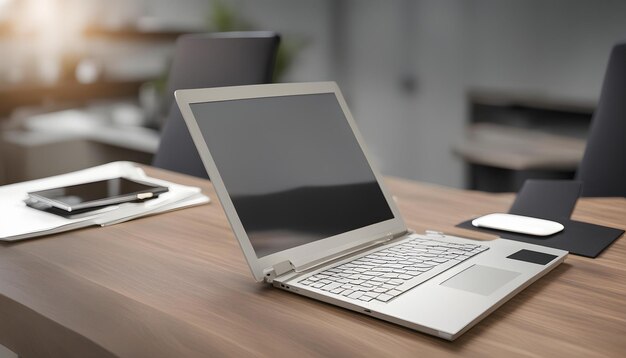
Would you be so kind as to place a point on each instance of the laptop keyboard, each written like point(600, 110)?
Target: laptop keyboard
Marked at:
point(388, 273)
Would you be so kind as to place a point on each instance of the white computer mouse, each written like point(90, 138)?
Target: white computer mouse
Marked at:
point(519, 224)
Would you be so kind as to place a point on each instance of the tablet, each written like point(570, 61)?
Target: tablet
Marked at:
point(97, 194)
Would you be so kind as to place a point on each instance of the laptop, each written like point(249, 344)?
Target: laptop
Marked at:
point(313, 217)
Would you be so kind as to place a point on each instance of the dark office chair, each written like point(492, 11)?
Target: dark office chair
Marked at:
point(603, 168)
point(210, 60)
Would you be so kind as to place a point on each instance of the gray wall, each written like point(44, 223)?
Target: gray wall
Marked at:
point(372, 48)
point(554, 48)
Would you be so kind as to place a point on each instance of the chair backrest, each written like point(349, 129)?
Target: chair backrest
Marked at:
point(210, 60)
point(603, 168)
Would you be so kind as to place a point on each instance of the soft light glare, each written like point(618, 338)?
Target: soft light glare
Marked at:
point(87, 71)
point(4, 3)
point(49, 32)
point(5, 10)
point(38, 16)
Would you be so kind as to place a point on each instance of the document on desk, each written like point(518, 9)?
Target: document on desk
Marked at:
point(18, 221)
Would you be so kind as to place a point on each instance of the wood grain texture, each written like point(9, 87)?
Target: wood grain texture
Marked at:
point(177, 285)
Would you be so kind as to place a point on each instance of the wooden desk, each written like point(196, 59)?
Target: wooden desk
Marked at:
point(176, 285)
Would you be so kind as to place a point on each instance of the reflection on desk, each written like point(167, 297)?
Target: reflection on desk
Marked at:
point(177, 285)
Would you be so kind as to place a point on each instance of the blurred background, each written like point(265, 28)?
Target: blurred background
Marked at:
point(477, 94)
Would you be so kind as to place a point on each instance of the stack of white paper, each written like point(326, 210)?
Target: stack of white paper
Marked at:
point(18, 221)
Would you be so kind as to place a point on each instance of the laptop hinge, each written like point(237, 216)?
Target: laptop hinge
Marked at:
point(280, 268)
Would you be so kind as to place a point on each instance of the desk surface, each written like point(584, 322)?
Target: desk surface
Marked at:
point(177, 285)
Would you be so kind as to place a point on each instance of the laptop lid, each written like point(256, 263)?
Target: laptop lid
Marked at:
point(291, 171)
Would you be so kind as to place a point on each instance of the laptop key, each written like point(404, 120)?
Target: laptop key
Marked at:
point(422, 265)
point(331, 286)
point(355, 294)
point(337, 290)
point(380, 279)
point(389, 275)
point(384, 297)
point(433, 263)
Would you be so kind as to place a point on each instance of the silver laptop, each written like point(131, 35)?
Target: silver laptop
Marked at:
point(313, 216)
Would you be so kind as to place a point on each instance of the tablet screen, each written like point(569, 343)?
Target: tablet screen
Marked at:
point(81, 194)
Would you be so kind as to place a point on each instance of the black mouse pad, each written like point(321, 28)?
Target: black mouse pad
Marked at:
point(578, 238)
point(555, 200)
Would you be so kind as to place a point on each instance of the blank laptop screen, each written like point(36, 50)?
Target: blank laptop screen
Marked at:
point(292, 167)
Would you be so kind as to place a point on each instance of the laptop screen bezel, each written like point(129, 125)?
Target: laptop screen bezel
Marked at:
point(303, 254)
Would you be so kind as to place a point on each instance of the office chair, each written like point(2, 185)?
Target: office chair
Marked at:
point(603, 168)
point(209, 60)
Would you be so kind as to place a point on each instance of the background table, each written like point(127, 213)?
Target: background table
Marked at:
point(177, 285)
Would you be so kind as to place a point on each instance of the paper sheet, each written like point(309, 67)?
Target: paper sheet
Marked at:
point(18, 221)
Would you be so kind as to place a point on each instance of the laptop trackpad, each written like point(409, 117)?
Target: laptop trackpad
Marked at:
point(483, 280)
